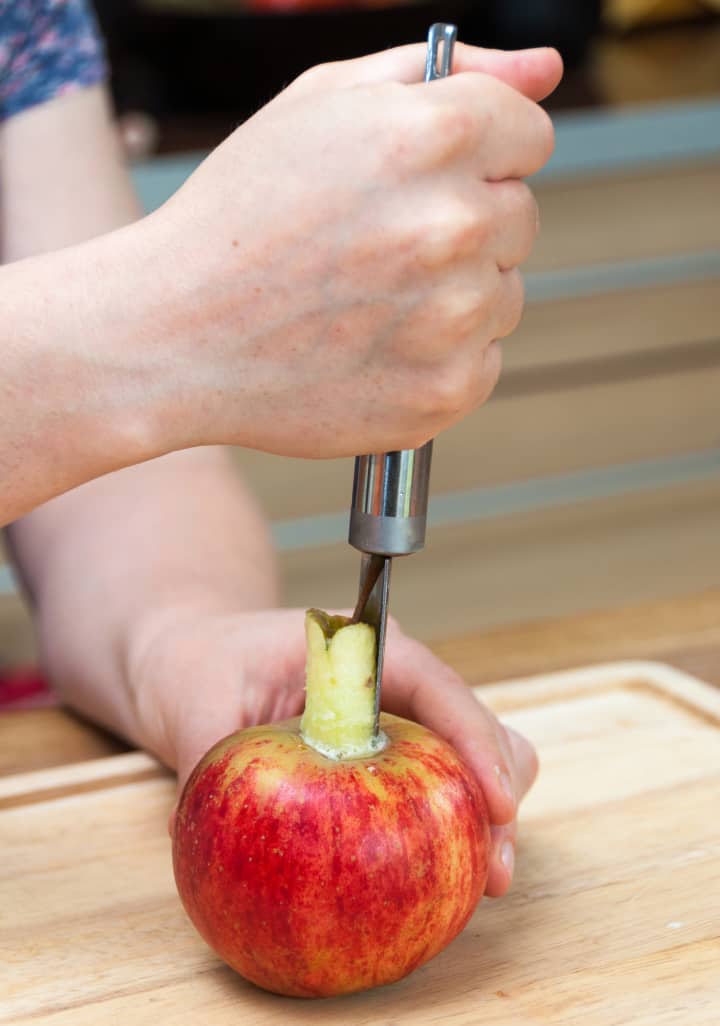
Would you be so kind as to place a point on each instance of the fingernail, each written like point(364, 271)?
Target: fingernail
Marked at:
point(507, 857)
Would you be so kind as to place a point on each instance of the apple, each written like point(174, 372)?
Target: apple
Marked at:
point(317, 860)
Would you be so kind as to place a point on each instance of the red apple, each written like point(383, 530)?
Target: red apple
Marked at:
point(318, 859)
point(313, 877)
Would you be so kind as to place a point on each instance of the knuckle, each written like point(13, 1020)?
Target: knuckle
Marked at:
point(448, 391)
point(456, 230)
point(326, 73)
point(453, 130)
point(465, 310)
point(310, 79)
point(424, 135)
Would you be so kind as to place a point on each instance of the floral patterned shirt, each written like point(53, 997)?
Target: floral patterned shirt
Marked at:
point(47, 48)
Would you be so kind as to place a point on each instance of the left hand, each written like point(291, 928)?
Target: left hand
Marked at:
point(197, 676)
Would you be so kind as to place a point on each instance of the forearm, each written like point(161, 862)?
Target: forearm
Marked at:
point(74, 399)
point(105, 562)
point(77, 395)
point(110, 563)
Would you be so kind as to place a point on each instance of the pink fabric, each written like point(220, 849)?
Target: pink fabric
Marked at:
point(24, 689)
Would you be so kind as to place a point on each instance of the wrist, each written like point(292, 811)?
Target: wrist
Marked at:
point(163, 326)
point(118, 336)
point(81, 397)
point(130, 338)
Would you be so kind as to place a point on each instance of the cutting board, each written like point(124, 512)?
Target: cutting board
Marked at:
point(613, 918)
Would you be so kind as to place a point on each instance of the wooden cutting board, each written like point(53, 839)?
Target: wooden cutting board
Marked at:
point(614, 916)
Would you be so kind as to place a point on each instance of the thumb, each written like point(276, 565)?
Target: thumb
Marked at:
point(196, 737)
point(534, 73)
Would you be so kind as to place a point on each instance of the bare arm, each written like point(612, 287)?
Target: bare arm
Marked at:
point(74, 405)
point(354, 245)
point(99, 558)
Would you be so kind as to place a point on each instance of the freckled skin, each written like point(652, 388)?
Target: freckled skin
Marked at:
point(312, 877)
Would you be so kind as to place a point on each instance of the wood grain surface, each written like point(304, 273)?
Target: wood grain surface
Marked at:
point(683, 632)
point(34, 739)
point(614, 915)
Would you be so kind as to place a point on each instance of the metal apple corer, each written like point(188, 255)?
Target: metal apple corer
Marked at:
point(390, 490)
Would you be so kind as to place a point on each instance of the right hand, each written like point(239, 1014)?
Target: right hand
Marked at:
point(341, 267)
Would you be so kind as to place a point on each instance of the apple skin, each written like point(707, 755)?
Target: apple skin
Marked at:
point(313, 877)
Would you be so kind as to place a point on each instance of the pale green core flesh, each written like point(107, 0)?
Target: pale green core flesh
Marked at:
point(339, 714)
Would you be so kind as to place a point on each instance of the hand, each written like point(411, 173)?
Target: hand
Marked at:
point(334, 277)
point(197, 677)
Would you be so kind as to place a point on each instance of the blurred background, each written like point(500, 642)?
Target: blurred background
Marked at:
point(591, 480)
point(197, 67)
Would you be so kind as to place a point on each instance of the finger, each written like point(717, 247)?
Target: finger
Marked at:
point(516, 220)
point(534, 73)
point(509, 134)
point(418, 686)
point(509, 308)
point(525, 762)
point(199, 732)
point(502, 860)
point(228, 706)
point(219, 709)
point(494, 320)
point(487, 374)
